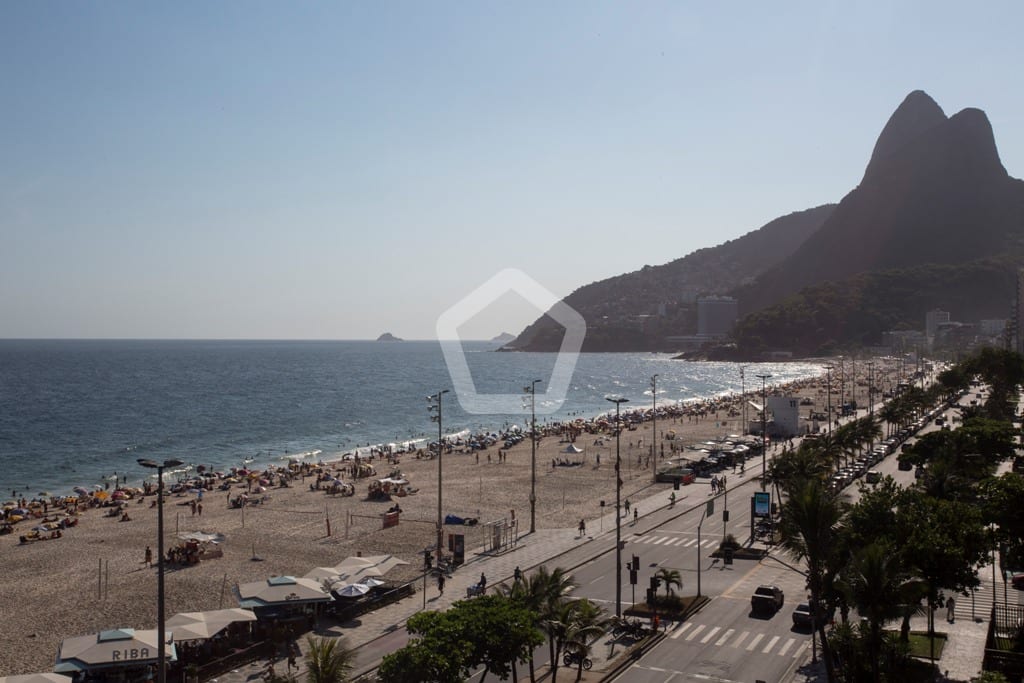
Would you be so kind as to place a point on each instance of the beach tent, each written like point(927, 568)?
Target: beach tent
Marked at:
point(350, 590)
point(282, 590)
point(202, 537)
point(123, 647)
point(36, 678)
point(202, 625)
point(571, 448)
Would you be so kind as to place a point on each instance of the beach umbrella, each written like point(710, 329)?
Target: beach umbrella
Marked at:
point(81, 490)
point(350, 590)
point(203, 625)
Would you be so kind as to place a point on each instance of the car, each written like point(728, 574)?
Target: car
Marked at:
point(802, 616)
point(1017, 580)
point(919, 472)
point(906, 465)
point(873, 476)
point(767, 599)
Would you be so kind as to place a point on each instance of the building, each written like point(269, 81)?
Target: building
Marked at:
point(716, 315)
point(932, 320)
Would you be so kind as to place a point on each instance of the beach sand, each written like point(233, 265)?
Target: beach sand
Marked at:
point(95, 578)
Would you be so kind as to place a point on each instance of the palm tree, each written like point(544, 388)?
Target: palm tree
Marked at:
point(669, 577)
point(810, 523)
point(328, 661)
point(542, 593)
point(877, 584)
point(587, 623)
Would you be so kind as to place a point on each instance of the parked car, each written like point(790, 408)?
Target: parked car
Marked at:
point(905, 465)
point(802, 615)
point(873, 476)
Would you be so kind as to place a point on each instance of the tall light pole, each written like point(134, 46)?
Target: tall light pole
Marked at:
point(618, 401)
point(654, 427)
point(435, 405)
point(828, 390)
point(532, 391)
point(743, 398)
point(161, 662)
point(871, 387)
point(764, 430)
point(842, 386)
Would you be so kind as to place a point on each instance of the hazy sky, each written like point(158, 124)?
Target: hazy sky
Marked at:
point(335, 170)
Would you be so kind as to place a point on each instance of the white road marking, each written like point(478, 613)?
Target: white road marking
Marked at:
point(771, 643)
point(711, 634)
point(739, 641)
point(679, 631)
point(754, 642)
point(803, 648)
point(785, 648)
point(690, 542)
point(660, 540)
point(694, 632)
point(721, 641)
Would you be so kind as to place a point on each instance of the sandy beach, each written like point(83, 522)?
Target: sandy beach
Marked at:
point(94, 577)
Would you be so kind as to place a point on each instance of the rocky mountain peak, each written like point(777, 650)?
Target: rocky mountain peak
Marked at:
point(916, 115)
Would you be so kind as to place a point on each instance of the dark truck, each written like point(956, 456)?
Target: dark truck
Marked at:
point(767, 599)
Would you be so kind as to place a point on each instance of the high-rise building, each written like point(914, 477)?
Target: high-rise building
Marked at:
point(716, 315)
point(932, 320)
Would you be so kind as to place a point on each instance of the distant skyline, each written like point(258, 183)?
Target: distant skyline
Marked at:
point(337, 170)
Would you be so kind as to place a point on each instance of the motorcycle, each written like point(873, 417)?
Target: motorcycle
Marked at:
point(573, 659)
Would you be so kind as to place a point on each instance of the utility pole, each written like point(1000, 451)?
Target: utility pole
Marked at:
point(618, 401)
point(764, 431)
point(532, 391)
point(435, 405)
point(654, 428)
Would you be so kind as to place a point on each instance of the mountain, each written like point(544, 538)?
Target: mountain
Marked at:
point(636, 311)
point(934, 192)
point(387, 337)
point(935, 206)
point(503, 338)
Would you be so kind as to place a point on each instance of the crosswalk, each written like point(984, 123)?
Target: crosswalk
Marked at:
point(676, 541)
point(739, 639)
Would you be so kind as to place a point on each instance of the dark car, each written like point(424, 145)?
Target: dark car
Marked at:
point(906, 465)
point(767, 599)
point(802, 615)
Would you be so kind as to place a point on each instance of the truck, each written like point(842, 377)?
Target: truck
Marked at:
point(767, 599)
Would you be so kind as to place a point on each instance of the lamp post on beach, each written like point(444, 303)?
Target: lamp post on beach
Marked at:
point(161, 665)
point(654, 426)
point(764, 430)
point(618, 401)
point(871, 387)
point(532, 391)
point(743, 399)
point(828, 390)
point(435, 405)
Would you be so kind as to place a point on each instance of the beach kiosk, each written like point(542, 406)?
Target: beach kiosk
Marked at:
point(284, 598)
point(123, 654)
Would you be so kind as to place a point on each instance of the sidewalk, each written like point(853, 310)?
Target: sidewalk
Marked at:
point(558, 547)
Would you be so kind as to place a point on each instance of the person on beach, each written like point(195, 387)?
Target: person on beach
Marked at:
point(149, 556)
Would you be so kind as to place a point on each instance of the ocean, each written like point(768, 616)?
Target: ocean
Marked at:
point(74, 413)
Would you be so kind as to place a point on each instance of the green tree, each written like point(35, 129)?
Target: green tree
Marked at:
point(587, 623)
point(327, 660)
point(811, 517)
point(669, 578)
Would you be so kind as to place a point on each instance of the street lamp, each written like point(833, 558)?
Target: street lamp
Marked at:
point(618, 518)
point(828, 390)
point(764, 430)
point(435, 405)
point(743, 399)
point(161, 670)
point(654, 426)
point(532, 391)
point(871, 387)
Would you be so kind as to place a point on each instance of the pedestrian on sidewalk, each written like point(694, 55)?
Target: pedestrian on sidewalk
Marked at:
point(950, 606)
point(636, 514)
point(483, 583)
point(583, 527)
point(440, 583)
point(517, 575)
point(627, 506)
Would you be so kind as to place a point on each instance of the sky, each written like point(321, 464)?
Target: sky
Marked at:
point(335, 170)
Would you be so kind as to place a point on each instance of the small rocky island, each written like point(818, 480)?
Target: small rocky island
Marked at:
point(387, 336)
point(503, 338)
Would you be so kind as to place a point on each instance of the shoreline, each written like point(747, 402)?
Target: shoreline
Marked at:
point(102, 560)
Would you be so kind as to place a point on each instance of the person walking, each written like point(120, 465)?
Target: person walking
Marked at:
point(149, 556)
point(483, 583)
point(583, 527)
point(517, 575)
point(440, 583)
point(950, 606)
point(636, 515)
point(627, 506)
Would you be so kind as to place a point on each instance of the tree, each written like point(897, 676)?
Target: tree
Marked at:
point(669, 578)
point(587, 623)
point(327, 660)
point(1000, 499)
point(541, 593)
point(810, 524)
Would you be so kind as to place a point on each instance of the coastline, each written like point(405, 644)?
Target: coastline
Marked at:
point(101, 561)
